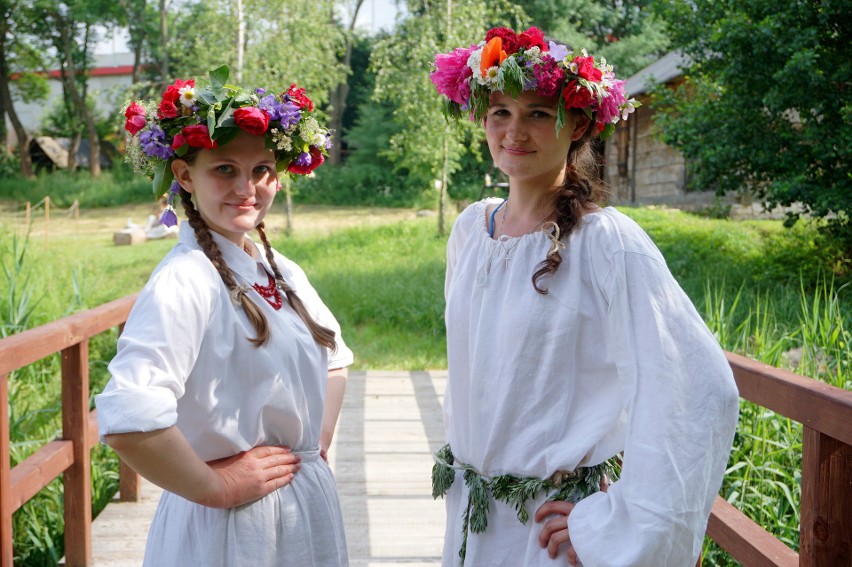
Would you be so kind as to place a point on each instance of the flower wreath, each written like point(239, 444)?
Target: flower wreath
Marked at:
point(512, 63)
point(207, 113)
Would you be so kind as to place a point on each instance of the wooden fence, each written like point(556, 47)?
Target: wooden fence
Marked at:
point(824, 411)
point(68, 456)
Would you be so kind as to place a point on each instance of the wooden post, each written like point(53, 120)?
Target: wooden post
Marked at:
point(47, 221)
point(76, 215)
point(77, 481)
point(129, 487)
point(826, 522)
point(29, 212)
point(5, 477)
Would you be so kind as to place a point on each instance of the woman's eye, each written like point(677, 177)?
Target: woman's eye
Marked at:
point(262, 169)
point(224, 169)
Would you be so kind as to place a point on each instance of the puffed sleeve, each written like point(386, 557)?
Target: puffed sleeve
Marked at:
point(340, 357)
point(458, 236)
point(159, 346)
point(681, 403)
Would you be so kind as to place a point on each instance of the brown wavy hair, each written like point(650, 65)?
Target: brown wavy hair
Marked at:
point(581, 190)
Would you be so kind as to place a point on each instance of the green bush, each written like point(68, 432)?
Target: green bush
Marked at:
point(115, 187)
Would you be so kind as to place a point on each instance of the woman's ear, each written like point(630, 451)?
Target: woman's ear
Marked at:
point(182, 174)
point(582, 124)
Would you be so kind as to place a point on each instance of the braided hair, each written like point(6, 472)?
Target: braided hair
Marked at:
point(322, 335)
point(581, 189)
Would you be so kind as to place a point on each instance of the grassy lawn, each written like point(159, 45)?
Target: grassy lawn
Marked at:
point(763, 290)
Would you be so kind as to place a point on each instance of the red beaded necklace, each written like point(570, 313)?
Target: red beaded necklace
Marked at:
point(270, 292)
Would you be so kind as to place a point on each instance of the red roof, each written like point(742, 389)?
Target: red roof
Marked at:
point(96, 72)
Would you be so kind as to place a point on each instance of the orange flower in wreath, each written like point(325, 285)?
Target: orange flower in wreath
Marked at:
point(492, 54)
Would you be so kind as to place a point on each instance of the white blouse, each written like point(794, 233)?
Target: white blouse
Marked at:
point(184, 359)
point(613, 358)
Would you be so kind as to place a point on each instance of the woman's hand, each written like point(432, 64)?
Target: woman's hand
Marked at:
point(248, 476)
point(555, 531)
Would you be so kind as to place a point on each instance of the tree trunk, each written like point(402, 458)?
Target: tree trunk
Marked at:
point(241, 34)
point(20, 131)
point(338, 98)
point(79, 103)
point(135, 21)
point(164, 43)
point(73, 147)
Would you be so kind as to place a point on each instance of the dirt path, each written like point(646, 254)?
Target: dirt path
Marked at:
point(307, 219)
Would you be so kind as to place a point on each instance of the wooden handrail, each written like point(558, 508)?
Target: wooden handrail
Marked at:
point(825, 523)
point(68, 457)
point(825, 412)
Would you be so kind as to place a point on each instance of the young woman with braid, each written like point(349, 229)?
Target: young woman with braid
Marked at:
point(230, 372)
point(576, 362)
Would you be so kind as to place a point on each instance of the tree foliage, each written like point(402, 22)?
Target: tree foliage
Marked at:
point(294, 42)
point(626, 32)
point(402, 62)
point(767, 104)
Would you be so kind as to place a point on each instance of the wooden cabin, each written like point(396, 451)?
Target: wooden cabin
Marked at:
point(638, 166)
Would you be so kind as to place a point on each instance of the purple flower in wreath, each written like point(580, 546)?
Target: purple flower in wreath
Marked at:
point(304, 159)
point(290, 114)
point(168, 218)
point(154, 143)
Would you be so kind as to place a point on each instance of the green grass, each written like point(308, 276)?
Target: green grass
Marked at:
point(117, 186)
point(386, 287)
point(763, 291)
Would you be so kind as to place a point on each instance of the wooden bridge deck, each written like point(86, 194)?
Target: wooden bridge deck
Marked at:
point(389, 427)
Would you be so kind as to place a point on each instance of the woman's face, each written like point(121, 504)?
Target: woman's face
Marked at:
point(233, 186)
point(521, 135)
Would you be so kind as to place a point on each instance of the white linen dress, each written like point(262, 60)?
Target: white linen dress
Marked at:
point(614, 358)
point(184, 359)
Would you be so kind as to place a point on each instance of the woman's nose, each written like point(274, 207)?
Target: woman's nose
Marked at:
point(245, 186)
point(516, 130)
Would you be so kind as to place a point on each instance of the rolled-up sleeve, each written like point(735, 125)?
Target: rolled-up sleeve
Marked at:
point(158, 347)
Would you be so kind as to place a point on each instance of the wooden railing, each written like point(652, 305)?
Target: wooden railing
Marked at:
point(825, 520)
point(824, 411)
point(68, 456)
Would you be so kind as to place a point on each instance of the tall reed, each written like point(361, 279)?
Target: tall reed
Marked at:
point(35, 409)
point(764, 475)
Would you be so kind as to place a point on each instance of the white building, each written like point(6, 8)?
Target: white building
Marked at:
point(110, 72)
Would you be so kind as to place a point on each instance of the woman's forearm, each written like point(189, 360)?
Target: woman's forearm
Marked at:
point(335, 390)
point(165, 458)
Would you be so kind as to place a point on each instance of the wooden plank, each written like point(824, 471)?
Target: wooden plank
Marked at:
point(746, 541)
point(38, 470)
point(129, 483)
point(77, 480)
point(5, 476)
point(812, 403)
point(32, 345)
point(826, 509)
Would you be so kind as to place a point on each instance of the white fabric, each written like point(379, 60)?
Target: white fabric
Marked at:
point(184, 359)
point(614, 358)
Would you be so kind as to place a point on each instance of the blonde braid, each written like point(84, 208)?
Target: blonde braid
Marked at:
point(214, 254)
point(321, 334)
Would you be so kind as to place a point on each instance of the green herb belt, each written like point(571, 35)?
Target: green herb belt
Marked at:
point(568, 486)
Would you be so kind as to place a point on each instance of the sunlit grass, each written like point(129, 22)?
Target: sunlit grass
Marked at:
point(766, 292)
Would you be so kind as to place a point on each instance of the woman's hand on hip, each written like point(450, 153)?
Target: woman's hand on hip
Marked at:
point(554, 533)
point(248, 476)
